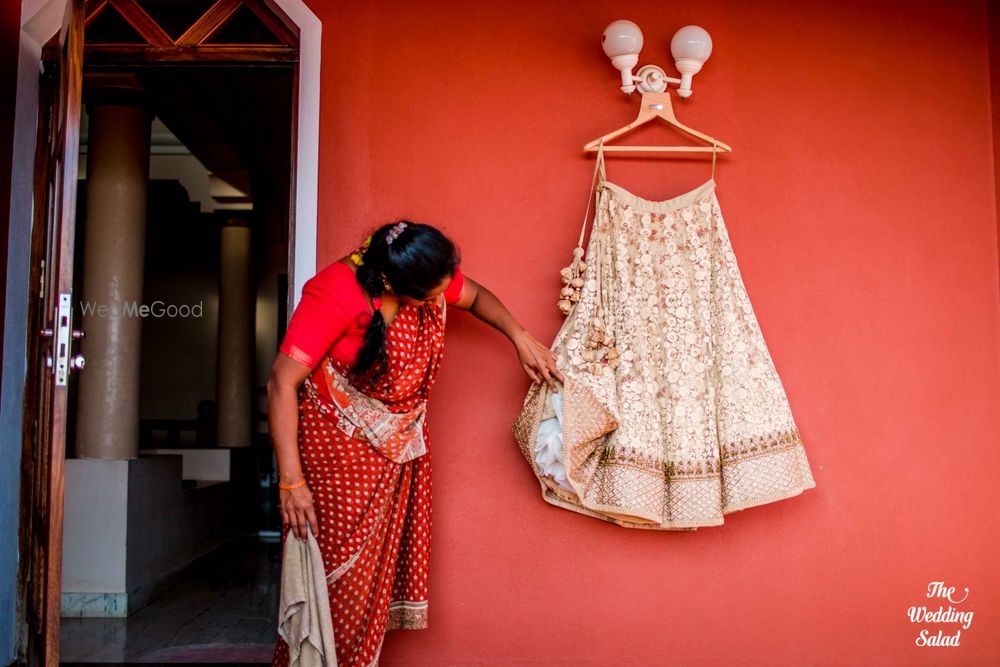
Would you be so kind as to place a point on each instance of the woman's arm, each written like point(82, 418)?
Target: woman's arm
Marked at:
point(320, 318)
point(537, 360)
point(283, 423)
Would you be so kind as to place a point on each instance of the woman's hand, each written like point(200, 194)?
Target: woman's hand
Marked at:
point(297, 510)
point(537, 360)
point(287, 375)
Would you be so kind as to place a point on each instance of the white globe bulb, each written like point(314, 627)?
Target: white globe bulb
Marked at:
point(622, 38)
point(691, 43)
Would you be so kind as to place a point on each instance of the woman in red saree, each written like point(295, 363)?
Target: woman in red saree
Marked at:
point(347, 399)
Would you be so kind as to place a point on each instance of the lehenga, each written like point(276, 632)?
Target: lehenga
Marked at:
point(364, 454)
point(672, 414)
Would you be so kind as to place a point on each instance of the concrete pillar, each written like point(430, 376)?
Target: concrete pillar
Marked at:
point(114, 244)
point(234, 389)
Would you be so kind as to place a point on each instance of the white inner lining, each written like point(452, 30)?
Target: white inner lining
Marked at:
point(549, 443)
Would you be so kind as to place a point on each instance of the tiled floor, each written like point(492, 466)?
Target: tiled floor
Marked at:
point(225, 613)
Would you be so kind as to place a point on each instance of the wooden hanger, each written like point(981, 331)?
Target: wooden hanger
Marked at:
point(657, 105)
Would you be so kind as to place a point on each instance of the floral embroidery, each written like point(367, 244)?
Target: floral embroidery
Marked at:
point(704, 427)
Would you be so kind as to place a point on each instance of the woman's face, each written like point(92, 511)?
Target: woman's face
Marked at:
point(432, 296)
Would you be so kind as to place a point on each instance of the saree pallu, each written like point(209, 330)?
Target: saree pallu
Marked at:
point(364, 454)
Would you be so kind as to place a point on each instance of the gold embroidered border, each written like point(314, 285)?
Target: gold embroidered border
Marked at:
point(626, 457)
point(761, 445)
point(635, 490)
point(691, 502)
point(731, 453)
point(406, 615)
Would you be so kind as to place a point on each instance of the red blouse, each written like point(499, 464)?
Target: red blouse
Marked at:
point(333, 314)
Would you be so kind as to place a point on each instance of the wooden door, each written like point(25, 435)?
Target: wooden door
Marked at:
point(51, 333)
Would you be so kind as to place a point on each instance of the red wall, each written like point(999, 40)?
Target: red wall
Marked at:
point(860, 201)
point(993, 20)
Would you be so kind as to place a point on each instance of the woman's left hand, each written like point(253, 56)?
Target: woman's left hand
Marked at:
point(537, 360)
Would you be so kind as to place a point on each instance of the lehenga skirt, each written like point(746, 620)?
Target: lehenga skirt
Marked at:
point(672, 414)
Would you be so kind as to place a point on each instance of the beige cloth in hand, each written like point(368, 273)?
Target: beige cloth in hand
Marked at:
point(304, 618)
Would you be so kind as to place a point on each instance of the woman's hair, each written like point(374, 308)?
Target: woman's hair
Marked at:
point(416, 262)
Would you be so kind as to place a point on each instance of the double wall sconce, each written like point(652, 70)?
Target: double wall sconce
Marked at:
point(691, 46)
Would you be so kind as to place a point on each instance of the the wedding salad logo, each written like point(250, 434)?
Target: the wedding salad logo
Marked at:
point(956, 618)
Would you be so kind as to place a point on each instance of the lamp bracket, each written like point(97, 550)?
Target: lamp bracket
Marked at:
point(653, 79)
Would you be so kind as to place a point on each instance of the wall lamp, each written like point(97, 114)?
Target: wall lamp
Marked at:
point(691, 46)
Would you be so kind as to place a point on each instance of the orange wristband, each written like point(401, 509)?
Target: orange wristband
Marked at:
point(289, 487)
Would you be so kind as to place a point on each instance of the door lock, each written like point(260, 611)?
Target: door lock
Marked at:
point(61, 361)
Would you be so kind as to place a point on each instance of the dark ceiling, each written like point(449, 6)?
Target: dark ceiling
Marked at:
point(237, 120)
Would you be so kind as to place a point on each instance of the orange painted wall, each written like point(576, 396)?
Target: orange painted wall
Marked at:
point(993, 22)
point(860, 202)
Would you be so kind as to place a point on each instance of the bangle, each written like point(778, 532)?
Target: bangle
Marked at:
point(289, 487)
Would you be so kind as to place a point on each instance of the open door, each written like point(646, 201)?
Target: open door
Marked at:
point(51, 335)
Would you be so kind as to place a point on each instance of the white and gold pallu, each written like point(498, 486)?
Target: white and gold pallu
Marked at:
point(672, 414)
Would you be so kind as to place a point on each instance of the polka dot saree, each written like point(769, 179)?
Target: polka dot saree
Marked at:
point(363, 447)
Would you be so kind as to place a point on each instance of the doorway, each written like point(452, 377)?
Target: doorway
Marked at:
point(222, 96)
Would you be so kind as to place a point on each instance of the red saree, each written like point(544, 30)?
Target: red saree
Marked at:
point(363, 447)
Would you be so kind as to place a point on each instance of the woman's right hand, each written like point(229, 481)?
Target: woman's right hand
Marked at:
point(297, 510)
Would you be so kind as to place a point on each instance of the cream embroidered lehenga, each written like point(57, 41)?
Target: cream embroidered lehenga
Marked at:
point(672, 414)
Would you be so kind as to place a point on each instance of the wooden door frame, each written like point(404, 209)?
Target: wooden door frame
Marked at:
point(44, 429)
point(303, 190)
point(40, 28)
point(305, 114)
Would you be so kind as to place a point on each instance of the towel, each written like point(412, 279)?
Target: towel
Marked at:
point(304, 618)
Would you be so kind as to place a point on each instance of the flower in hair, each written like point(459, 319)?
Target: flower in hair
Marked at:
point(396, 230)
point(356, 255)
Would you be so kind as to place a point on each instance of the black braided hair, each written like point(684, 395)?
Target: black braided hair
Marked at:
point(415, 263)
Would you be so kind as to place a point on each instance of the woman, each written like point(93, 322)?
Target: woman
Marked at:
point(346, 402)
